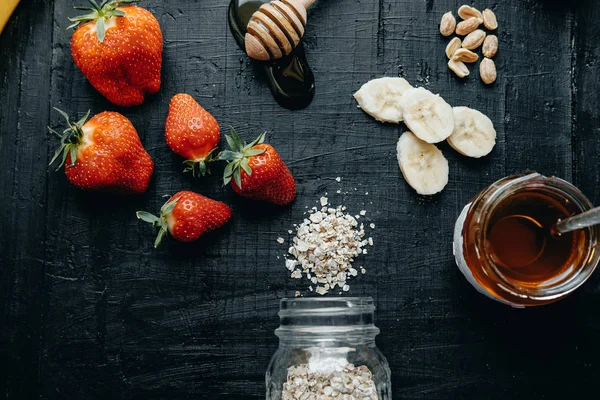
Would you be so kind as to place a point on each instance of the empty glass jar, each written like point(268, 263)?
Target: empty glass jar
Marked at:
point(327, 349)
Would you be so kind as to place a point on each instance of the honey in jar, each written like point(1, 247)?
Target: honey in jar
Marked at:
point(505, 244)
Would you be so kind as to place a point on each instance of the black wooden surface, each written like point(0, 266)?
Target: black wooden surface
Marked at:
point(91, 311)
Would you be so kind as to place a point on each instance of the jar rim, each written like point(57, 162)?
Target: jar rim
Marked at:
point(327, 319)
point(290, 307)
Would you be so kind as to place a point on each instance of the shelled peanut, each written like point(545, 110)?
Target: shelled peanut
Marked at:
point(461, 52)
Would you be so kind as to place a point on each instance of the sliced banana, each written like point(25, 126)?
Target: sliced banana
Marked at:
point(381, 98)
point(427, 115)
point(474, 134)
point(423, 165)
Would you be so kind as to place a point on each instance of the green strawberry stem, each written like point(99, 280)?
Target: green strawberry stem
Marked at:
point(159, 222)
point(100, 13)
point(199, 167)
point(238, 154)
point(70, 139)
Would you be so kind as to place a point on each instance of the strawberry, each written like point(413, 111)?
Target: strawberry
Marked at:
point(187, 216)
point(118, 48)
point(104, 154)
point(192, 132)
point(257, 171)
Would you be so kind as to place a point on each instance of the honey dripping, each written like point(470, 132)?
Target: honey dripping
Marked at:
point(521, 242)
point(290, 78)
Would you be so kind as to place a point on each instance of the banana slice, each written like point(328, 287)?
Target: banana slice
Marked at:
point(427, 115)
point(381, 98)
point(423, 165)
point(474, 134)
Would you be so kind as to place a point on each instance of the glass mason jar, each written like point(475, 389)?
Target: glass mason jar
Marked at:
point(577, 258)
point(327, 347)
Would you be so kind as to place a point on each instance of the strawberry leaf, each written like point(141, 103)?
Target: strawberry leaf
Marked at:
point(237, 140)
point(60, 151)
point(52, 131)
point(239, 155)
point(202, 168)
point(199, 166)
point(228, 155)
point(100, 13)
point(159, 237)
point(70, 140)
point(230, 142)
point(146, 216)
point(168, 207)
point(100, 29)
point(237, 177)
point(256, 141)
point(83, 120)
point(228, 170)
point(253, 152)
point(156, 221)
point(65, 115)
point(246, 167)
point(73, 153)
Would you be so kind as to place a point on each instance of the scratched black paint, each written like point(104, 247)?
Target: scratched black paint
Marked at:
point(91, 311)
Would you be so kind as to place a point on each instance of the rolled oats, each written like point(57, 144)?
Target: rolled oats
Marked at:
point(341, 382)
point(325, 246)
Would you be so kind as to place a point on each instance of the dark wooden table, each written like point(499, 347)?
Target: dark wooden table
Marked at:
point(91, 311)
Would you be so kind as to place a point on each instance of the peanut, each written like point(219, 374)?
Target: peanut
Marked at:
point(459, 68)
point(453, 45)
point(448, 24)
point(465, 55)
point(474, 39)
point(466, 12)
point(490, 46)
point(487, 71)
point(467, 26)
point(489, 19)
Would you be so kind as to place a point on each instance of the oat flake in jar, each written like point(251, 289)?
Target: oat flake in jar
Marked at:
point(327, 350)
point(505, 245)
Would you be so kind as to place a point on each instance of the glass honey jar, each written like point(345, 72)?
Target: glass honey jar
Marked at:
point(327, 350)
point(506, 246)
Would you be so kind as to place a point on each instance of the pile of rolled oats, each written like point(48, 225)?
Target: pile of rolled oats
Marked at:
point(325, 246)
point(344, 382)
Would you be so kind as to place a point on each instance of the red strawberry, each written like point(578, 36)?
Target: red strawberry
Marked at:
point(192, 132)
point(104, 154)
point(119, 49)
point(187, 216)
point(257, 170)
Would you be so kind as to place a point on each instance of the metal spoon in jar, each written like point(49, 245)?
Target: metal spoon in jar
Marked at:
point(576, 222)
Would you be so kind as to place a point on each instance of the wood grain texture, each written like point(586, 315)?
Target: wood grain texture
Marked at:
point(92, 311)
point(24, 74)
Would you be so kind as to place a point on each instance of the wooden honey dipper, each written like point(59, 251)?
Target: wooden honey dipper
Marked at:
point(276, 28)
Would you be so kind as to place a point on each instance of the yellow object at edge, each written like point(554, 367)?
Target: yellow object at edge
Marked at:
point(6, 9)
